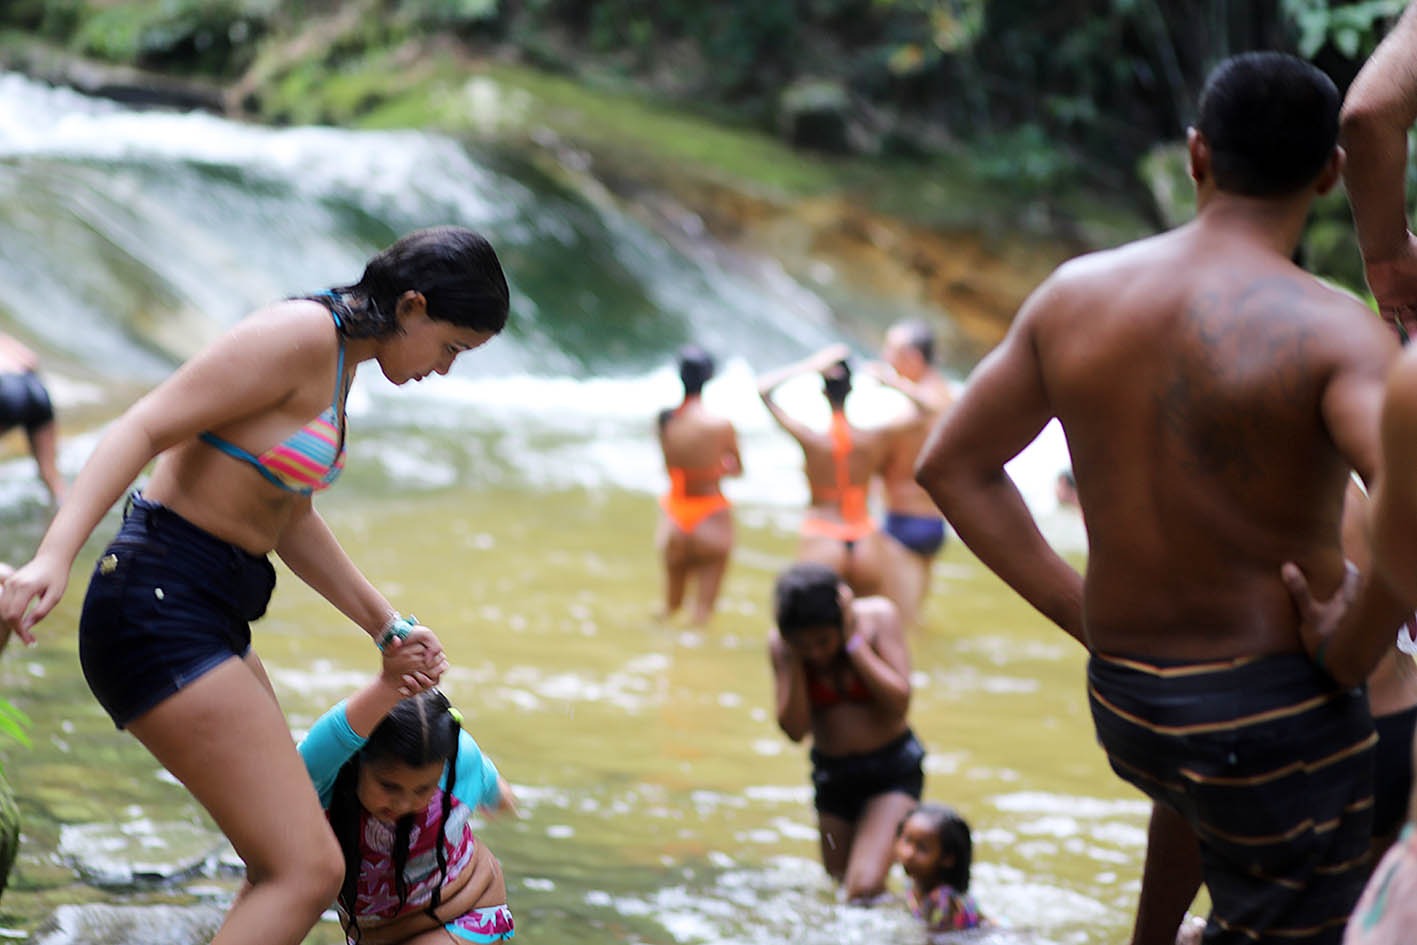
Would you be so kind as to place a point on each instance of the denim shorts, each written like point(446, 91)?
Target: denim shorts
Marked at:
point(166, 603)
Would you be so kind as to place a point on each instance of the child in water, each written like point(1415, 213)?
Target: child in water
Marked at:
point(934, 846)
point(399, 779)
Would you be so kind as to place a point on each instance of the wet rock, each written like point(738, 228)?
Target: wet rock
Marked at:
point(129, 925)
point(814, 114)
point(139, 852)
point(126, 84)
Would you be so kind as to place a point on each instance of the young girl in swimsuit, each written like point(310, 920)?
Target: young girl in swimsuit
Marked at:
point(837, 530)
point(695, 533)
point(244, 434)
point(841, 673)
point(934, 846)
point(400, 779)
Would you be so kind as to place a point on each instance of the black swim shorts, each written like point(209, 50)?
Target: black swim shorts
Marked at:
point(845, 783)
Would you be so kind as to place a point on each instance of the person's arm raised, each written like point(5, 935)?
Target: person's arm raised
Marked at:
point(771, 381)
point(1378, 109)
point(1003, 408)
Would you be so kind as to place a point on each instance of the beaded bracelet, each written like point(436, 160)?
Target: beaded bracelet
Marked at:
point(398, 628)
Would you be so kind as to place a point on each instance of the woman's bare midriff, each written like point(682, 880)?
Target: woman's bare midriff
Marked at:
point(221, 496)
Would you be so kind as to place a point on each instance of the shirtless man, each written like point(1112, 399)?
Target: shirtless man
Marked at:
point(695, 531)
point(914, 529)
point(1215, 398)
point(840, 462)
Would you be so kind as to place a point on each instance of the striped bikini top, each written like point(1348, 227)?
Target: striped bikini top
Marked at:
point(311, 458)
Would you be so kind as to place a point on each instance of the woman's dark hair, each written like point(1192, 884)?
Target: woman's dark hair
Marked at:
point(455, 269)
point(955, 840)
point(836, 383)
point(920, 336)
point(1271, 120)
point(419, 731)
point(807, 595)
point(695, 368)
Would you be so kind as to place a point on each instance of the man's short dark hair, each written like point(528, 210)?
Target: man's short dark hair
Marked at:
point(807, 595)
point(1271, 120)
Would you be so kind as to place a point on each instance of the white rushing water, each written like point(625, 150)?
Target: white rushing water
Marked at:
point(130, 238)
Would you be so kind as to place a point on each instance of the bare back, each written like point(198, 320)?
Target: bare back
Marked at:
point(865, 459)
point(706, 446)
point(903, 494)
point(1209, 390)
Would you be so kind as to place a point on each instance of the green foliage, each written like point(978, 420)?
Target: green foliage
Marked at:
point(448, 13)
point(1024, 159)
point(52, 19)
point(934, 28)
point(191, 36)
point(14, 724)
point(1354, 29)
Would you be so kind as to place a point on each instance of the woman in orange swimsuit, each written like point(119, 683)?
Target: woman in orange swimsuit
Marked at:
point(244, 435)
point(838, 530)
point(695, 533)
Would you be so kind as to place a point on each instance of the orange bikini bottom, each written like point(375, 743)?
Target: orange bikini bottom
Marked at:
point(687, 512)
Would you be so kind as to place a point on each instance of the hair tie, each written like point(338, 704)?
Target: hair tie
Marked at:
point(456, 713)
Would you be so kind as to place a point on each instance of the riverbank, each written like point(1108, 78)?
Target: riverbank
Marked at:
point(936, 238)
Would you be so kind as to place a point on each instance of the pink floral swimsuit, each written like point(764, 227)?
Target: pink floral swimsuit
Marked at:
point(945, 910)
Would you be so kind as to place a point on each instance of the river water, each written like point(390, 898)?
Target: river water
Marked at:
point(510, 506)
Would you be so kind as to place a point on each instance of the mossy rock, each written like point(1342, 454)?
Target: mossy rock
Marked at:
point(9, 831)
point(814, 114)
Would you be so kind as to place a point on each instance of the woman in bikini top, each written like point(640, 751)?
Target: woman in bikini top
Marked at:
point(243, 434)
point(837, 530)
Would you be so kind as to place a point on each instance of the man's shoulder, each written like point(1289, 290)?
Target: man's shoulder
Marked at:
point(1103, 269)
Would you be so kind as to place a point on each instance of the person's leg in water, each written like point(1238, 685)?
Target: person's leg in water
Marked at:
point(224, 737)
point(906, 580)
point(673, 548)
point(873, 847)
point(837, 835)
point(1170, 878)
point(712, 544)
point(44, 444)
